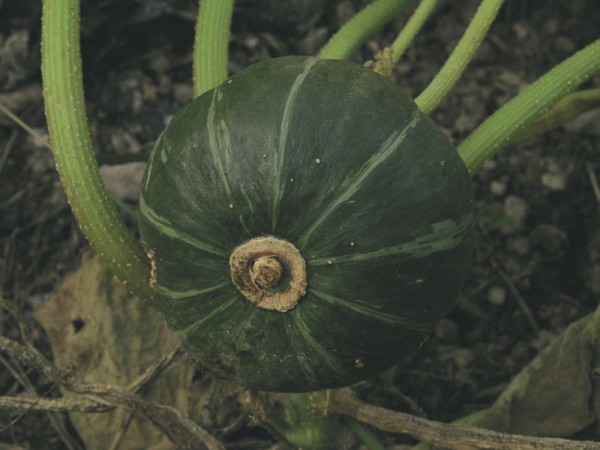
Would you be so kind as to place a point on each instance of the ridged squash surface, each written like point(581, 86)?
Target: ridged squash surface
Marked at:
point(336, 160)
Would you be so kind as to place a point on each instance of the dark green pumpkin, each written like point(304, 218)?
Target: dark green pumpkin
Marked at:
point(334, 159)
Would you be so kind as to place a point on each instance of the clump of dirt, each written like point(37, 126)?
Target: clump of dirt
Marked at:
point(537, 259)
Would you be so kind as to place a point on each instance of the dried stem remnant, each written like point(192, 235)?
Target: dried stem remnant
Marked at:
point(451, 436)
point(256, 268)
point(185, 433)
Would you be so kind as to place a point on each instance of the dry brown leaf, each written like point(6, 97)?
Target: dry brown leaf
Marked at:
point(107, 336)
point(558, 393)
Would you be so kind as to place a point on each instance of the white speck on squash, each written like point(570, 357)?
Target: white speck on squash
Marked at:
point(231, 205)
point(317, 161)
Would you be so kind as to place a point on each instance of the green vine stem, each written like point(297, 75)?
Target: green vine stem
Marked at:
point(563, 111)
point(73, 151)
point(497, 131)
point(211, 44)
point(301, 419)
point(412, 27)
point(358, 29)
point(449, 74)
point(361, 431)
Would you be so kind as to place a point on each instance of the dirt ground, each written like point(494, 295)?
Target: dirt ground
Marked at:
point(536, 265)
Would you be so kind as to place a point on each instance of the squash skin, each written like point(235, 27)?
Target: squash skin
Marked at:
point(336, 160)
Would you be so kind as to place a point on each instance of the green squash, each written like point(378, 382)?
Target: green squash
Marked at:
point(307, 225)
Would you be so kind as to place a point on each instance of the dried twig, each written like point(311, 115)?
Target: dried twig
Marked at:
point(154, 372)
point(520, 300)
point(181, 430)
point(20, 375)
point(64, 404)
point(457, 437)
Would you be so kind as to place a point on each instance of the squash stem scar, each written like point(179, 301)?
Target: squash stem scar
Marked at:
point(256, 268)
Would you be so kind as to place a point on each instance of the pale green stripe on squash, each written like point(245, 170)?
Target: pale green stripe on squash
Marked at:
point(219, 141)
point(386, 149)
point(215, 312)
point(309, 339)
point(176, 295)
point(167, 228)
point(298, 350)
point(247, 198)
point(371, 313)
point(163, 143)
point(278, 187)
point(220, 147)
point(446, 235)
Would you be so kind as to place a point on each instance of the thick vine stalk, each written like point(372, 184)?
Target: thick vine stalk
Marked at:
point(211, 44)
point(564, 110)
point(456, 64)
point(73, 150)
point(497, 131)
point(358, 29)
